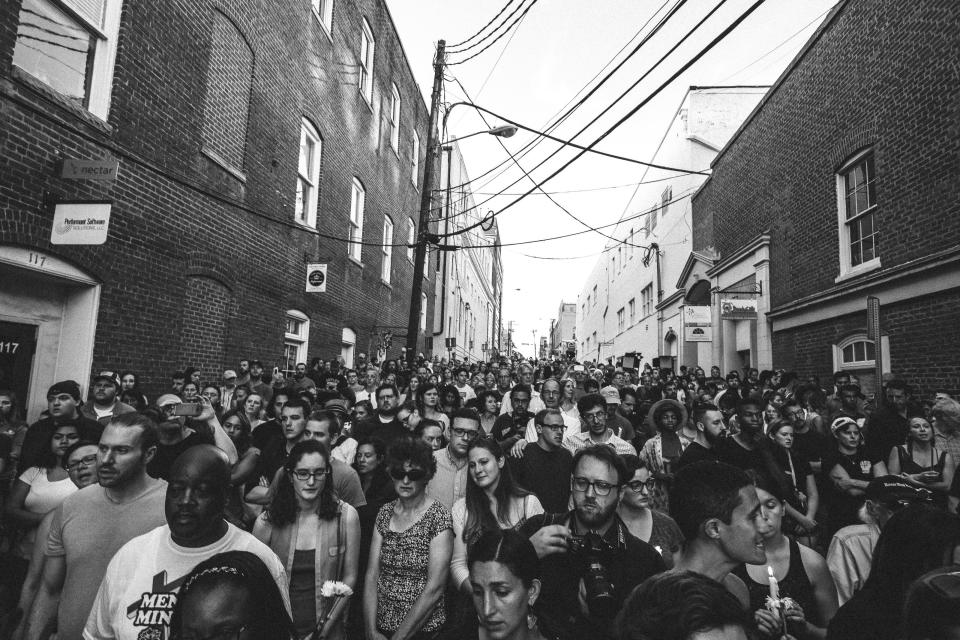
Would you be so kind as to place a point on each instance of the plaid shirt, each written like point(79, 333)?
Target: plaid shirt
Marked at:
point(577, 441)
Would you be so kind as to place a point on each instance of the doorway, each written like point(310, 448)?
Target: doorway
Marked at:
point(18, 343)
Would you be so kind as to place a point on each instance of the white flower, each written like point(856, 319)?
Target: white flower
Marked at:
point(332, 588)
point(785, 603)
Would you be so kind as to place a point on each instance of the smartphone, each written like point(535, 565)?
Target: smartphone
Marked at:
point(578, 367)
point(188, 409)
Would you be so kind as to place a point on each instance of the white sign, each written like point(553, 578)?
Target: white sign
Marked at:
point(698, 334)
point(316, 278)
point(80, 223)
point(696, 314)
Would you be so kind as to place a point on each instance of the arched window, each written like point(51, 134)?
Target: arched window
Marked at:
point(858, 356)
point(229, 78)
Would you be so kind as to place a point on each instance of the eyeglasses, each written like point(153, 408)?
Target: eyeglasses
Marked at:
point(305, 474)
point(468, 434)
point(555, 427)
point(227, 634)
point(595, 417)
point(637, 486)
point(414, 475)
point(600, 487)
point(85, 461)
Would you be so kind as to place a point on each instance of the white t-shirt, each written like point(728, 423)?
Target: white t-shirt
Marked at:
point(140, 587)
point(466, 392)
point(44, 496)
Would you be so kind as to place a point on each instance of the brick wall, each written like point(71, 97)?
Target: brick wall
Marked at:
point(200, 266)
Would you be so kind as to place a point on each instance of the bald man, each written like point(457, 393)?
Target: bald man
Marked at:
point(139, 590)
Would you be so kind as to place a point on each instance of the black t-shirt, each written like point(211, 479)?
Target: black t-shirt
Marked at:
point(811, 444)
point(696, 452)
point(884, 430)
point(629, 562)
point(265, 434)
point(730, 451)
point(546, 474)
point(510, 426)
point(159, 467)
point(388, 432)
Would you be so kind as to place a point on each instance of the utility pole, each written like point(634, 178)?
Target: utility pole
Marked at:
point(426, 200)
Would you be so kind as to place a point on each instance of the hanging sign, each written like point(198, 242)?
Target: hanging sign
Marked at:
point(734, 309)
point(316, 278)
point(80, 223)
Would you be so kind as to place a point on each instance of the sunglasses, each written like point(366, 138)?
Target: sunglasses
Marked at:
point(414, 475)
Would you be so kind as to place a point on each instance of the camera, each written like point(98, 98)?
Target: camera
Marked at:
point(592, 550)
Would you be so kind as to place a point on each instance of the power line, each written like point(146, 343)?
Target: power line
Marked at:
point(450, 50)
point(495, 40)
point(633, 111)
point(492, 20)
point(499, 58)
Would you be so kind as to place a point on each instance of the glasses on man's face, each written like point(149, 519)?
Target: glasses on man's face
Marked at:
point(595, 417)
point(85, 461)
point(226, 634)
point(600, 487)
point(466, 434)
point(639, 485)
point(414, 475)
point(305, 474)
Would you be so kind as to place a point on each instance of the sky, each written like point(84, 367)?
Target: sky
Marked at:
point(559, 50)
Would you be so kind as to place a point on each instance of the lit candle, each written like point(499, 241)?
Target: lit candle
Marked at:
point(774, 589)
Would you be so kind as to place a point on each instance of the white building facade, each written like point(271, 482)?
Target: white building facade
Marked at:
point(630, 303)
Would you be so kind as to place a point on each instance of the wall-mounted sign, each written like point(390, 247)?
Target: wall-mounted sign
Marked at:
point(696, 314)
point(698, 334)
point(90, 169)
point(734, 309)
point(316, 278)
point(80, 223)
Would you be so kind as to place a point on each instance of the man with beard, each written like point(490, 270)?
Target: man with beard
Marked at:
point(93, 523)
point(63, 408)
point(710, 432)
point(722, 521)
point(384, 424)
point(176, 436)
point(105, 404)
point(575, 547)
point(138, 592)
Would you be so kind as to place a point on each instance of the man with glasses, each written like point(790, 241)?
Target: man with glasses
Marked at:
point(91, 525)
point(449, 483)
point(593, 414)
point(807, 441)
point(550, 394)
point(526, 378)
point(589, 542)
point(544, 466)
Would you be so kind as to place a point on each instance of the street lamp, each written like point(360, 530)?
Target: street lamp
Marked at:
point(506, 131)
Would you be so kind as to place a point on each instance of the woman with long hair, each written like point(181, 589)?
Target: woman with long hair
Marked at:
point(409, 391)
point(489, 409)
point(493, 502)
point(253, 409)
point(130, 389)
point(922, 463)
point(568, 398)
point(450, 399)
point(803, 497)
point(14, 428)
point(315, 535)
point(231, 595)
point(238, 430)
point(916, 539)
point(428, 405)
point(801, 573)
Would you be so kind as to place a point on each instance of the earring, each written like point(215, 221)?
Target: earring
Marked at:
point(531, 621)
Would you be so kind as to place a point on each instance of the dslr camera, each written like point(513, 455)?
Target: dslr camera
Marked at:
point(592, 551)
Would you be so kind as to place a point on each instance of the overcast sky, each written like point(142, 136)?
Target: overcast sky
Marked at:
point(551, 55)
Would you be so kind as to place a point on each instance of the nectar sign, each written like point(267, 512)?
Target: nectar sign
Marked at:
point(80, 223)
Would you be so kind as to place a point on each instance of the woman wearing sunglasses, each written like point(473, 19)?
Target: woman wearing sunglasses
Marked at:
point(643, 521)
point(315, 535)
point(410, 552)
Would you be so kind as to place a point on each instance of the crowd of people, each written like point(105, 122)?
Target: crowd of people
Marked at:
point(511, 499)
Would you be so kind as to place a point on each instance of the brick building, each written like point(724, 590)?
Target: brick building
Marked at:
point(250, 138)
point(844, 183)
point(563, 329)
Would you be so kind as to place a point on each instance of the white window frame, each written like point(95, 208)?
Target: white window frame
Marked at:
point(386, 251)
point(357, 197)
point(621, 319)
point(595, 296)
point(296, 340)
point(368, 46)
point(103, 36)
point(394, 119)
point(423, 312)
point(633, 310)
point(311, 177)
point(323, 11)
point(860, 365)
point(415, 160)
point(646, 300)
point(411, 241)
point(847, 269)
point(348, 344)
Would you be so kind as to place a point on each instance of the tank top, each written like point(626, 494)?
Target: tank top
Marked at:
point(794, 585)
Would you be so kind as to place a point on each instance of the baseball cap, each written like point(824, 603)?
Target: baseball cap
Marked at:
point(69, 387)
point(109, 376)
point(895, 492)
point(229, 373)
point(842, 423)
point(611, 395)
point(168, 398)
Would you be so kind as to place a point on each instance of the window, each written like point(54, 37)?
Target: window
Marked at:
point(665, 199)
point(367, 45)
point(395, 119)
point(423, 312)
point(620, 257)
point(646, 300)
point(387, 250)
point(72, 52)
point(323, 9)
point(412, 241)
point(653, 217)
point(633, 247)
point(594, 295)
point(648, 221)
point(356, 221)
point(613, 264)
point(295, 335)
point(633, 310)
point(621, 319)
point(348, 342)
point(858, 356)
point(857, 202)
point(415, 160)
point(308, 175)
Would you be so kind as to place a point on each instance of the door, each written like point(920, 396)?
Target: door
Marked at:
point(17, 345)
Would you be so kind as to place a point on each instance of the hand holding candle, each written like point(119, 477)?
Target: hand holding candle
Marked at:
point(774, 587)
